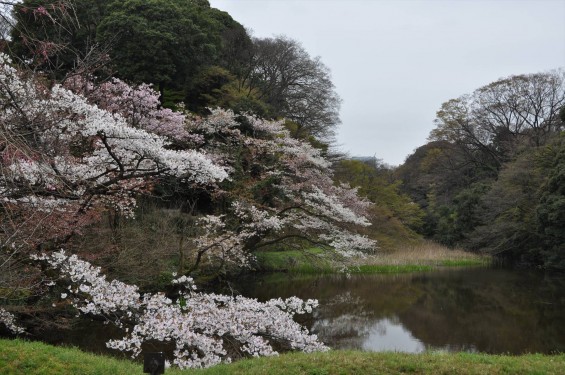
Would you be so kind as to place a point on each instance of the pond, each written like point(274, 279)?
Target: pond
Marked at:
point(475, 310)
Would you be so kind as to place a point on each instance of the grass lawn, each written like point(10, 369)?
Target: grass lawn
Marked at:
point(19, 357)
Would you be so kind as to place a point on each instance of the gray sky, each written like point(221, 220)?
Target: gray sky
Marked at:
point(395, 62)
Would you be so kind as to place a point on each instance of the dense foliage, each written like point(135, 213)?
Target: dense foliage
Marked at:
point(395, 218)
point(489, 179)
point(190, 51)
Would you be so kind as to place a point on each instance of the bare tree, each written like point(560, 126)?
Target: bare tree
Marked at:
point(295, 85)
point(523, 106)
point(492, 124)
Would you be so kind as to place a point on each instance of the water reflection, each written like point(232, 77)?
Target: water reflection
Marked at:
point(486, 310)
point(477, 310)
point(390, 335)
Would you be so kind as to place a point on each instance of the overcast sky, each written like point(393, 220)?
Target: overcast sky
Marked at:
point(395, 62)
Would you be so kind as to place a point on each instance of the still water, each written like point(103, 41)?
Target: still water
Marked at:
point(476, 310)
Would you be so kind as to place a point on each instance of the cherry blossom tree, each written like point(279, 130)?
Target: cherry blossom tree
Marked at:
point(206, 328)
point(64, 161)
point(284, 191)
point(67, 157)
point(138, 105)
point(281, 188)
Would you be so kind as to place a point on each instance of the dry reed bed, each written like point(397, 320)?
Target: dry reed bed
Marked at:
point(426, 253)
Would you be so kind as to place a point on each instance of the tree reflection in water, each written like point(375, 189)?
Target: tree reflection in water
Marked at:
point(485, 310)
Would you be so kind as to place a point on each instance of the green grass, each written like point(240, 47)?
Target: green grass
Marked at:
point(32, 358)
point(19, 357)
point(349, 362)
point(308, 261)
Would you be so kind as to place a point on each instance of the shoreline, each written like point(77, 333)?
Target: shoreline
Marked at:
point(424, 257)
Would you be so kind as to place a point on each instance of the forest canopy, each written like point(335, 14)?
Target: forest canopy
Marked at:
point(488, 177)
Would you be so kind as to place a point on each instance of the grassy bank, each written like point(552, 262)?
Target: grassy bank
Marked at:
point(20, 357)
point(308, 261)
point(32, 358)
point(425, 256)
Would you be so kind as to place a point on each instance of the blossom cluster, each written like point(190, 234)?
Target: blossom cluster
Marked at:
point(330, 206)
point(77, 155)
point(218, 242)
point(256, 219)
point(288, 190)
point(200, 325)
point(9, 321)
point(104, 297)
point(138, 105)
